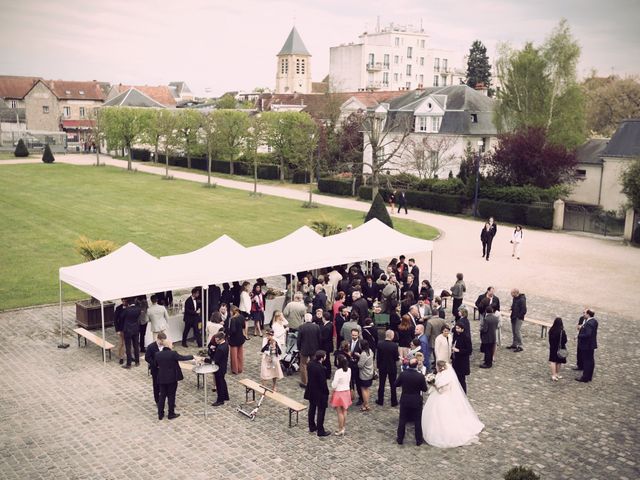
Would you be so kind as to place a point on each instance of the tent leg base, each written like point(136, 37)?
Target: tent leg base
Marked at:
point(63, 345)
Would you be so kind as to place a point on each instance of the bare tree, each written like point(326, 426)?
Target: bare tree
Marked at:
point(386, 135)
point(430, 154)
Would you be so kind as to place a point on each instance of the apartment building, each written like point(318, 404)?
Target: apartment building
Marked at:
point(395, 57)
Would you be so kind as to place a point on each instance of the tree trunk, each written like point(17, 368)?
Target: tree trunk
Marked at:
point(129, 158)
point(166, 163)
point(155, 156)
point(282, 169)
point(375, 184)
point(208, 166)
point(188, 158)
point(310, 185)
point(255, 174)
point(231, 166)
point(98, 154)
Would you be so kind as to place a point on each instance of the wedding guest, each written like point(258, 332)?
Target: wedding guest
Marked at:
point(341, 398)
point(295, 311)
point(221, 358)
point(270, 368)
point(406, 332)
point(370, 334)
point(244, 304)
point(413, 384)
point(518, 311)
point(257, 309)
point(588, 340)
point(581, 320)
point(426, 290)
point(442, 345)
point(486, 237)
point(433, 328)
point(317, 393)
point(326, 341)
point(387, 363)
point(219, 320)
point(131, 330)
point(457, 292)
point(118, 324)
point(488, 328)
point(557, 340)
point(237, 326)
point(320, 298)
point(192, 318)
point(516, 240)
point(308, 343)
point(158, 317)
point(339, 320)
point(461, 350)
point(150, 358)
point(143, 320)
point(169, 374)
point(365, 371)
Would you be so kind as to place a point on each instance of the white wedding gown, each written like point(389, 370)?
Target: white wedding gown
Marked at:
point(448, 419)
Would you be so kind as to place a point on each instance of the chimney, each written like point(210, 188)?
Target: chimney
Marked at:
point(482, 89)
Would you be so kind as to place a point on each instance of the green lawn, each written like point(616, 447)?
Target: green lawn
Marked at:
point(46, 207)
point(5, 155)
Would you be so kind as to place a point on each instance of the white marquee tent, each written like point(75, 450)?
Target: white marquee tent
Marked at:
point(130, 271)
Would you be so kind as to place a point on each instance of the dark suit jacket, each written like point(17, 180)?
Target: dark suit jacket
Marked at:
point(387, 356)
point(588, 335)
point(326, 337)
point(236, 331)
point(460, 360)
point(413, 383)
point(415, 271)
point(489, 327)
point(317, 390)
point(467, 329)
point(150, 357)
point(190, 308)
point(221, 357)
point(169, 370)
point(308, 339)
point(370, 291)
point(118, 320)
point(130, 322)
point(495, 303)
point(319, 301)
point(362, 307)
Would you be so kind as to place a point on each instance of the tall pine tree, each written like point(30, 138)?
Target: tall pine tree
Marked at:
point(478, 67)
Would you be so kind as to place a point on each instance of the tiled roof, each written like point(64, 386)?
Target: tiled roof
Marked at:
point(591, 151)
point(72, 90)
point(161, 94)
point(625, 142)
point(294, 45)
point(15, 87)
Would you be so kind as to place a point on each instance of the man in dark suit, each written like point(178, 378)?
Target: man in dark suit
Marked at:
point(169, 374)
point(317, 393)
point(221, 359)
point(461, 352)
point(414, 270)
point(588, 342)
point(150, 358)
point(387, 362)
point(118, 324)
point(308, 343)
point(487, 299)
point(581, 320)
point(131, 329)
point(192, 317)
point(413, 383)
point(355, 350)
point(370, 290)
point(360, 306)
point(488, 338)
point(326, 341)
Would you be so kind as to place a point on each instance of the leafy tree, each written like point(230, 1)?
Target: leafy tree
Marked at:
point(631, 183)
point(255, 138)
point(97, 130)
point(609, 101)
point(123, 125)
point(350, 140)
point(287, 133)
point(227, 101)
point(325, 227)
point(228, 131)
point(168, 127)
point(478, 67)
point(526, 157)
point(21, 149)
point(47, 155)
point(379, 210)
point(385, 136)
point(467, 164)
point(189, 122)
point(540, 89)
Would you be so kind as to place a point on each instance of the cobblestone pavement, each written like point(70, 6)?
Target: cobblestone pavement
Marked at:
point(63, 414)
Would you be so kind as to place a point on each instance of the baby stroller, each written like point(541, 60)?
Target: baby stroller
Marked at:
point(290, 361)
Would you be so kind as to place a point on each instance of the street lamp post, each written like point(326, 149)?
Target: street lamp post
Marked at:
point(477, 165)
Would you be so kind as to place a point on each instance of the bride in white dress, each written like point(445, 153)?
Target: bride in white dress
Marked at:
point(448, 419)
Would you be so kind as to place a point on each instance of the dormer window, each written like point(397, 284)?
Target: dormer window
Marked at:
point(67, 92)
point(474, 118)
point(81, 92)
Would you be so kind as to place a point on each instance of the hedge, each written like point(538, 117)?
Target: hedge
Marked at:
point(335, 186)
point(266, 172)
point(424, 200)
point(532, 215)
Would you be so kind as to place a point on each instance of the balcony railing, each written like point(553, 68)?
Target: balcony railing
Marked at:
point(377, 66)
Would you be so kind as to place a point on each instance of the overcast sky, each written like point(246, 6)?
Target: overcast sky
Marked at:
point(216, 46)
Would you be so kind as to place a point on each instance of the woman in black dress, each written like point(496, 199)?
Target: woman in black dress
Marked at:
point(557, 340)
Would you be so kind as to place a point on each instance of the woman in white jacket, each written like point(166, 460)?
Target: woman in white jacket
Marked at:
point(442, 346)
point(516, 240)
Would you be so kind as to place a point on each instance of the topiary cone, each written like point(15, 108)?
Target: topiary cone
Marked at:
point(21, 149)
point(379, 210)
point(47, 156)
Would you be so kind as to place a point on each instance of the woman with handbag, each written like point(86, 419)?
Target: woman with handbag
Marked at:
point(557, 348)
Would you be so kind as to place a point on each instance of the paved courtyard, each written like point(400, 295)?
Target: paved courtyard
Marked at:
point(64, 414)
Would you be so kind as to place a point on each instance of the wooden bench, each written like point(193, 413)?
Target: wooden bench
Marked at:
point(87, 335)
point(292, 405)
point(543, 325)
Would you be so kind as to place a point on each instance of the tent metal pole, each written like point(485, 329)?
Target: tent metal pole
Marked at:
point(104, 351)
point(204, 318)
point(431, 268)
point(61, 344)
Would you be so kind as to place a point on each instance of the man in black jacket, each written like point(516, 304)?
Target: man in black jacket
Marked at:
point(192, 317)
point(387, 362)
point(461, 352)
point(487, 299)
point(518, 311)
point(150, 358)
point(413, 383)
point(131, 329)
point(169, 374)
point(308, 343)
point(118, 323)
point(221, 359)
point(326, 341)
point(588, 342)
point(360, 306)
point(317, 393)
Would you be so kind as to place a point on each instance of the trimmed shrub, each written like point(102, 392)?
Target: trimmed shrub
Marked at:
point(325, 227)
point(538, 216)
point(47, 156)
point(436, 201)
point(141, 154)
point(379, 210)
point(300, 176)
point(335, 186)
point(94, 249)
point(531, 215)
point(450, 186)
point(21, 149)
point(521, 473)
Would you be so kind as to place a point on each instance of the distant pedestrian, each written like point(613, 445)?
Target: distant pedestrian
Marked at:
point(518, 311)
point(457, 292)
point(392, 202)
point(516, 240)
point(402, 202)
point(557, 344)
